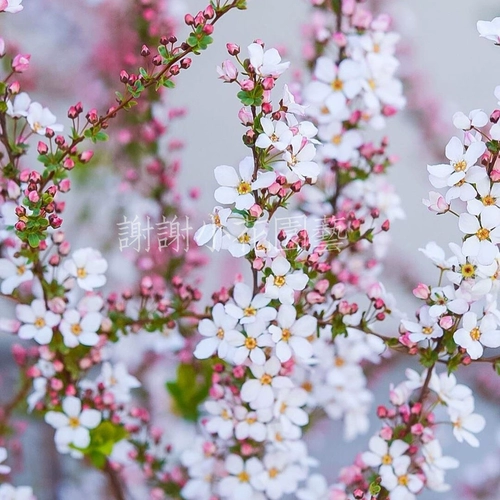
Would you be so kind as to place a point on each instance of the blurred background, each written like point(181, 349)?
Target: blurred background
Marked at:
point(448, 67)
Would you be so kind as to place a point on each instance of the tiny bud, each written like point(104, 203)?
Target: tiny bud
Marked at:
point(157, 60)
point(233, 49)
point(145, 52)
point(209, 12)
point(386, 225)
point(189, 19)
point(86, 156)
point(21, 63)
point(124, 76)
point(186, 63)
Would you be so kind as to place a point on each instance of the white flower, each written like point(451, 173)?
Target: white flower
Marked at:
point(221, 422)
point(199, 486)
point(448, 391)
point(290, 104)
point(266, 63)
point(299, 158)
point(426, 328)
point(460, 161)
point(247, 308)
point(40, 118)
point(473, 336)
point(316, 489)
point(282, 283)
point(88, 266)
point(240, 239)
point(39, 391)
point(339, 144)
point(252, 424)
point(489, 196)
point(279, 477)
point(288, 407)
point(259, 391)
point(4, 469)
point(276, 134)
point(118, 381)
point(14, 271)
point(397, 480)
point(77, 330)
point(214, 230)
point(381, 453)
point(490, 29)
point(251, 345)
point(37, 321)
point(14, 6)
point(19, 107)
point(242, 478)
point(435, 253)
point(216, 331)
point(436, 203)
point(344, 79)
point(484, 234)
point(290, 335)
point(477, 118)
point(446, 299)
point(239, 189)
point(9, 492)
point(72, 425)
point(466, 423)
point(435, 465)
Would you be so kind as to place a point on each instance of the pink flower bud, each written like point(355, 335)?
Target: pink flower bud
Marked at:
point(14, 88)
point(446, 322)
point(245, 116)
point(2, 47)
point(33, 197)
point(422, 291)
point(339, 39)
point(247, 85)
point(233, 49)
point(255, 210)
point(268, 83)
point(436, 203)
point(21, 63)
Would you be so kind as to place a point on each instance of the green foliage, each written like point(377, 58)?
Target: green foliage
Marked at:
point(102, 440)
point(251, 97)
point(191, 388)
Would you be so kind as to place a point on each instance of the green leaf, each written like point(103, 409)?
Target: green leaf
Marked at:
point(169, 84)
point(191, 388)
point(375, 489)
point(429, 357)
point(33, 240)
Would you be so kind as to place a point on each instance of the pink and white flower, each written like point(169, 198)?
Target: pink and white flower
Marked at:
point(282, 283)
point(473, 335)
point(266, 63)
point(77, 329)
point(88, 267)
point(40, 119)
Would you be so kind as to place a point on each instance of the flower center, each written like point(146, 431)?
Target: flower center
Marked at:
point(337, 85)
point(324, 110)
point(283, 407)
point(386, 460)
point(251, 420)
point(21, 270)
point(403, 480)
point(475, 334)
point(273, 472)
point(293, 161)
point(339, 362)
point(244, 188)
point(216, 219)
point(266, 379)
point(279, 281)
point(250, 343)
point(307, 386)
point(39, 322)
point(244, 238)
point(76, 329)
point(37, 126)
point(243, 477)
point(483, 234)
point(81, 273)
point(274, 138)
point(467, 270)
point(225, 415)
point(372, 83)
point(286, 334)
point(460, 166)
point(427, 330)
point(337, 139)
point(220, 333)
point(376, 48)
point(249, 311)
point(74, 422)
point(488, 200)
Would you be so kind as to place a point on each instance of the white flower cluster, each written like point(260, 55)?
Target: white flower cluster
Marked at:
point(9, 492)
point(39, 118)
